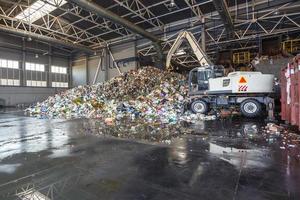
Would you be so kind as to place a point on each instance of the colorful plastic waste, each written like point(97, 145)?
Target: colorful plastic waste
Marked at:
point(287, 139)
point(147, 94)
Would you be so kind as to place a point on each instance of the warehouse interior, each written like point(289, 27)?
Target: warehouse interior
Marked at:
point(160, 99)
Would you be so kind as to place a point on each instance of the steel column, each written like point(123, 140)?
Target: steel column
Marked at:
point(99, 66)
point(114, 60)
point(203, 36)
point(23, 74)
point(70, 72)
point(48, 69)
point(87, 69)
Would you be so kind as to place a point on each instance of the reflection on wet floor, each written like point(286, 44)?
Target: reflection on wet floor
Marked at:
point(157, 133)
point(85, 159)
point(29, 135)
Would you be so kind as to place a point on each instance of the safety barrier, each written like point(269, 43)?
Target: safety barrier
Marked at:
point(290, 92)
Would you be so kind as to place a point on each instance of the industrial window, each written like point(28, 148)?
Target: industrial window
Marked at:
point(60, 84)
point(9, 72)
point(35, 67)
point(35, 75)
point(59, 70)
point(34, 83)
point(59, 77)
point(9, 82)
point(12, 64)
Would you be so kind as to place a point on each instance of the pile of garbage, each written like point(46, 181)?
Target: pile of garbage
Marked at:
point(272, 128)
point(147, 94)
point(289, 140)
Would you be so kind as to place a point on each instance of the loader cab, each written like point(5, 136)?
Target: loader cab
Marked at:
point(198, 78)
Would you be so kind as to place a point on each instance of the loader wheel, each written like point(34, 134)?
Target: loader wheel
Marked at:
point(199, 106)
point(250, 108)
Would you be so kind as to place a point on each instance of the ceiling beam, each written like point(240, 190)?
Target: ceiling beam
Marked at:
point(102, 12)
point(45, 39)
point(136, 7)
point(224, 13)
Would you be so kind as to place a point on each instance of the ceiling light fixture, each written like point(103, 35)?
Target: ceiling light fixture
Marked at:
point(180, 52)
point(172, 3)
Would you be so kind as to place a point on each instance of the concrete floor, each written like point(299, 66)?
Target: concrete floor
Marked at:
point(79, 159)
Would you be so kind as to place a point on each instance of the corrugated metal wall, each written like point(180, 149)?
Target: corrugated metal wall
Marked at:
point(290, 92)
point(124, 54)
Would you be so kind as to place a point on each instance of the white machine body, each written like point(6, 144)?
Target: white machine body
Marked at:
point(242, 82)
point(210, 82)
point(208, 88)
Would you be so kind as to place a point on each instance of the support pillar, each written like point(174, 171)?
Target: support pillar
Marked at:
point(23, 76)
point(279, 43)
point(203, 38)
point(106, 68)
point(70, 72)
point(99, 66)
point(137, 64)
point(260, 46)
point(159, 58)
point(87, 69)
point(48, 68)
point(114, 60)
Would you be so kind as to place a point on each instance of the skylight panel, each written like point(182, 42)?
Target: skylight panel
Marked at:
point(39, 9)
point(32, 194)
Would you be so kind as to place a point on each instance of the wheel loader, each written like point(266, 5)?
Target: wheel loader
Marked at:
point(209, 88)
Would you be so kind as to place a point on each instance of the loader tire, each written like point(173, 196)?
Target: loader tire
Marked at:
point(251, 108)
point(199, 106)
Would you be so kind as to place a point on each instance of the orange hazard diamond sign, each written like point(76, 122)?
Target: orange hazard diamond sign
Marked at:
point(242, 80)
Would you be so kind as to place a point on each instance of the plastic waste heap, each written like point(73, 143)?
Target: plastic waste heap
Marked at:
point(147, 94)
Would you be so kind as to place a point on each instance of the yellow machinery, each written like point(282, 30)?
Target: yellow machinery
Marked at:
point(291, 46)
point(241, 57)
